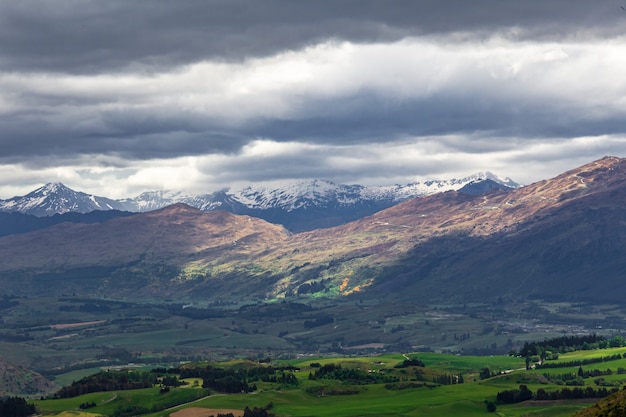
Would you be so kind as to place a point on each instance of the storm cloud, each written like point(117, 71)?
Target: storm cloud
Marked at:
point(119, 97)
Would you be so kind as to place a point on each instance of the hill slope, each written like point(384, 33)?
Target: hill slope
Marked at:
point(124, 255)
point(16, 380)
point(611, 406)
point(551, 239)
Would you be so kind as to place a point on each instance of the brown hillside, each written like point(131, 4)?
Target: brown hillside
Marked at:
point(385, 237)
point(177, 234)
point(534, 239)
point(16, 380)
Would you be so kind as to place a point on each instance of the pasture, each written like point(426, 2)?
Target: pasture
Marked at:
point(409, 396)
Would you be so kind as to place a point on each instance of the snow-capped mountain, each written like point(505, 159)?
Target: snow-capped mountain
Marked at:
point(298, 205)
point(56, 198)
point(421, 188)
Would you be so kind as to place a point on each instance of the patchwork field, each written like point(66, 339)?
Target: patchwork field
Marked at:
point(382, 385)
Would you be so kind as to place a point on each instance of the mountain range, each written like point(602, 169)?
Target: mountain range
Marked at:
point(297, 205)
point(561, 238)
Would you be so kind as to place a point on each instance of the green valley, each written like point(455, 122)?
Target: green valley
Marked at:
point(414, 384)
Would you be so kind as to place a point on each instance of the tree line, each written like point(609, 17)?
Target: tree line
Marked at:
point(107, 381)
point(16, 407)
point(354, 376)
point(581, 362)
point(562, 344)
point(513, 396)
point(565, 344)
point(238, 380)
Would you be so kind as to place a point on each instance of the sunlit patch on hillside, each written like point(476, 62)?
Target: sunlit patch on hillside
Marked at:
point(345, 282)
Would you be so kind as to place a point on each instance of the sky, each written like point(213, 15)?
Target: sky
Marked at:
point(118, 97)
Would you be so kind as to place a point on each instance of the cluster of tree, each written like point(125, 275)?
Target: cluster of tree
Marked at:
point(228, 384)
point(318, 321)
point(523, 393)
point(410, 362)
point(563, 344)
point(593, 373)
point(258, 412)
point(220, 379)
point(446, 379)
point(560, 378)
point(7, 302)
point(171, 381)
point(238, 380)
point(485, 373)
point(354, 376)
point(577, 378)
point(462, 338)
point(274, 311)
point(118, 353)
point(86, 405)
point(573, 393)
point(107, 381)
point(569, 364)
point(397, 328)
point(281, 377)
point(16, 407)
point(512, 396)
point(312, 287)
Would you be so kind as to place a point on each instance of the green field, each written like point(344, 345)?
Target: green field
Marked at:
point(68, 338)
point(347, 399)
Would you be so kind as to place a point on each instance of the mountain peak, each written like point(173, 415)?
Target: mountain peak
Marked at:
point(299, 205)
point(52, 187)
point(56, 198)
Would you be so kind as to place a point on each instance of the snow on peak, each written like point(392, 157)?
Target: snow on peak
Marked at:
point(56, 198)
point(287, 196)
point(292, 195)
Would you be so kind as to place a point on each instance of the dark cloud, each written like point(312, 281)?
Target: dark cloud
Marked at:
point(366, 118)
point(117, 87)
point(87, 36)
point(352, 120)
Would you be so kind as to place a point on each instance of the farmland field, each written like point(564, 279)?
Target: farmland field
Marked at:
point(403, 388)
point(68, 338)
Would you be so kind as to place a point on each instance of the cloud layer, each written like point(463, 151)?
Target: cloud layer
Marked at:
point(116, 98)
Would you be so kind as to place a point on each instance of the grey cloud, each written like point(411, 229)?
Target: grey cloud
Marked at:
point(147, 139)
point(321, 162)
point(356, 119)
point(471, 113)
point(366, 118)
point(82, 36)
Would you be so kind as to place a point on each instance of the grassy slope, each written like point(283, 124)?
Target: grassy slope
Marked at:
point(375, 400)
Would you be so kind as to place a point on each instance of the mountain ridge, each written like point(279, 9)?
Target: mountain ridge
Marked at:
point(56, 198)
point(544, 239)
point(298, 205)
